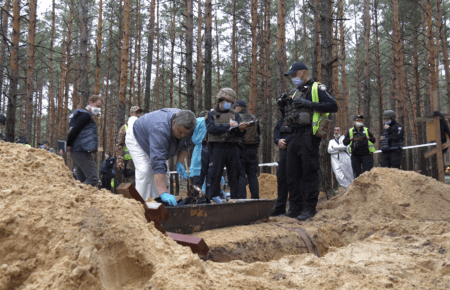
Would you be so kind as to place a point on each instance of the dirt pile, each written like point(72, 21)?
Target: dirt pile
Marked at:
point(56, 233)
point(267, 186)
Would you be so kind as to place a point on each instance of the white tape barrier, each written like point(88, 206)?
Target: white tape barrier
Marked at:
point(378, 151)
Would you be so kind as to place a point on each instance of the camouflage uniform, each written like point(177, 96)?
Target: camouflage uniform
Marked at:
point(120, 151)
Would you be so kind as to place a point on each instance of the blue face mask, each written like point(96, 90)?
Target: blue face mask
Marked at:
point(389, 122)
point(297, 81)
point(42, 147)
point(226, 105)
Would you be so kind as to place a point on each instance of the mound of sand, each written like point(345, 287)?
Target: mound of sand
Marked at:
point(56, 233)
point(267, 186)
point(395, 194)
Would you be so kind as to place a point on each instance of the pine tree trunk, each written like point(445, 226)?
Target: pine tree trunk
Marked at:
point(217, 51)
point(253, 98)
point(267, 125)
point(139, 85)
point(61, 87)
point(148, 73)
point(75, 97)
point(358, 74)
point(84, 42)
point(30, 69)
point(172, 48)
point(443, 37)
point(108, 100)
point(199, 68)
point(208, 55)
point(98, 49)
point(315, 71)
point(65, 118)
point(327, 70)
point(234, 68)
point(378, 76)
point(12, 100)
point(156, 86)
point(124, 64)
point(4, 28)
point(281, 48)
point(51, 97)
point(366, 92)
point(345, 97)
point(189, 49)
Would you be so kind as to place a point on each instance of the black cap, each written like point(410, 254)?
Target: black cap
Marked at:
point(296, 67)
point(293, 91)
point(2, 119)
point(241, 103)
point(358, 117)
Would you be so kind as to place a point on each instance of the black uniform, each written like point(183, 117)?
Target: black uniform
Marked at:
point(392, 145)
point(282, 132)
point(107, 170)
point(361, 156)
point(249, 157)
point(302, 163)
point(223, 151)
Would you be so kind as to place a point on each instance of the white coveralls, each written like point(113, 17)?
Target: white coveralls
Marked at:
point(341, 161)
point(145, 179)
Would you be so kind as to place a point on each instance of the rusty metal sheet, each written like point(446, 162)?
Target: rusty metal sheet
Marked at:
point(197, 245)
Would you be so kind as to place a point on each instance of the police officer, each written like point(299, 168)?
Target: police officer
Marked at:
point(303, 114)
point(361, 143)
point(124, 160)
point(224, 135)
point(391, 141)
point(82, 141)
point(281, 136)
point(248, 152)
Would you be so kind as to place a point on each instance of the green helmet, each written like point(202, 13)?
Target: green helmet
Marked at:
point(388, 114)
point(227, 94)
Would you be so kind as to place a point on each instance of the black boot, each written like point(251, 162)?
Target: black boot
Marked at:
point(292, 214)
point(278, 211)
point(306, 214)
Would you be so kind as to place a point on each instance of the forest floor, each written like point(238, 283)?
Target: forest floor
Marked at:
point(390, 229)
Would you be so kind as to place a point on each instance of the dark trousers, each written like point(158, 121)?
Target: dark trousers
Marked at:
point(85, 167)
point(223, 154)
point(106, 182)
point(361, 161)
point(249, 167)
point(198, 180)
point(302, 167)
point(282, 183)
point(392, 159)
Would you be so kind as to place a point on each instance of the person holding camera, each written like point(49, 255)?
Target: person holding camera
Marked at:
point(302, 114)
point(392, 141)
point(124, 162)
point(361, 147)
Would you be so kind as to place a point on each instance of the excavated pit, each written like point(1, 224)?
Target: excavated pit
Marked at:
point(390, 229)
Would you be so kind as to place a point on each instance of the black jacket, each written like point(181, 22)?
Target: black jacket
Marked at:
point(107, 167)
point(360, 147)
point(394, 137)
point(281, 132)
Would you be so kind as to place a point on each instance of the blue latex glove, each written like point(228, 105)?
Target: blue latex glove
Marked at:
point(170, 199)
point(181, 171)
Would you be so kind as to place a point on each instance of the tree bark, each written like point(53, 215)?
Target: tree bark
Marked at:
point(234, 68)
point(12, 100)
point(30, 69)
point(281, 48)
point(345, 106)
point(253, 98)
point(267, 126)
point(65, 118)
point(378, 76)
point(124, 64)
point(4, 28)
point(199, 68)
point(315, 71)
point(208, 55)
point(366, 92)
point(189, 49)
point(98, 49)
point(443, 37)
point(358, 74)
point(172, 48)
point(148, 74)
point(83, 80)
point(156, 87)
point(217, 53)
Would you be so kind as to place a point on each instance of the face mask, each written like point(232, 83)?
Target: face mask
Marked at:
point(297, 81)
point(389, 122)
point(95, 111)
point(359, 124)
point(42, 147)
point(226, 105)
point(337, 135)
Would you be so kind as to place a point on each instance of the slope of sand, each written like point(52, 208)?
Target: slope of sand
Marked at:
point(267, 186)
point(56, 233)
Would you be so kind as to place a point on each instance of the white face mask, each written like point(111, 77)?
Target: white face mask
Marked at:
point(337, 135)
point(95, 111)
point(359, 124)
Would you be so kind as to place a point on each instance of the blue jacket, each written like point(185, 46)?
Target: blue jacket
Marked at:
point(197, 138)
point(153, 132)
point(86, 141)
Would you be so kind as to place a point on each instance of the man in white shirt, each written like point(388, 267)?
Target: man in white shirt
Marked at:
point(340, 159)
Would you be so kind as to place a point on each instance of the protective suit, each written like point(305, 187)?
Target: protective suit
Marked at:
point(341, 161)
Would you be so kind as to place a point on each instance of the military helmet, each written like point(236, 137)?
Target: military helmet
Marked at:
point(388, 114)
point(226, 94)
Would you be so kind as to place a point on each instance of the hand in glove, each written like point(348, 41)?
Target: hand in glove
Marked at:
point(282, 100)
point(303, 103)
point(182, 171)
point(170, 199)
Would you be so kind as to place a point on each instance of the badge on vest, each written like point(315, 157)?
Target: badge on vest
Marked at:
point(322, 87)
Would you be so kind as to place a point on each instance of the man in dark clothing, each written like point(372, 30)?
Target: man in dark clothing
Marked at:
point(3, 122)
point(248, 153)
point(224, 134)
point(303, 113)
point(281, 136)
point(23, 140)
point(82, 141)
point(361, 143)
point(107, 170)
point(444, 129)
point(391, 141)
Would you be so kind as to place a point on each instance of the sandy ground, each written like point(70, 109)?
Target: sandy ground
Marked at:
point(390, 229)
